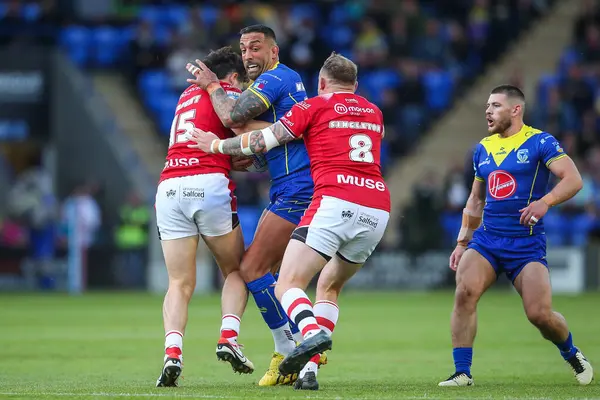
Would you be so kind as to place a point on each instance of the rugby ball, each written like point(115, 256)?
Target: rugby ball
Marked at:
point(259, 163)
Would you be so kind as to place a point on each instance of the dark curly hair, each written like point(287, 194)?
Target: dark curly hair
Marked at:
point(225, 61)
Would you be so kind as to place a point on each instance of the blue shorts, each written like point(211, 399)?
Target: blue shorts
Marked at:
point(291, 196)
point(509, 254)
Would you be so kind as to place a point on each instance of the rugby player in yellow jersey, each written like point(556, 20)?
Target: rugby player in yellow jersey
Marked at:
point(503, 230)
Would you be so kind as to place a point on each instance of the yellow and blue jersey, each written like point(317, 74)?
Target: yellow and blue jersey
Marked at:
point(515, 171)
point(280, 88)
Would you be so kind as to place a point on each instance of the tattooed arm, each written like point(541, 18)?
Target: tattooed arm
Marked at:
point(236, 113)
point(255, 142)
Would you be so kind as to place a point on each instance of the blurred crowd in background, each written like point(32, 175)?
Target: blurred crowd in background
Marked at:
point(415, 58)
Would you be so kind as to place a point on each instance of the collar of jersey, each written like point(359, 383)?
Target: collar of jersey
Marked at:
point(500, 147)
point(521, 131)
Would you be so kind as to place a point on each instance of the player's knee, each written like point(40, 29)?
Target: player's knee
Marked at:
point(253, 267)
point(184, 287)
point(466, 296)
point(539, 315)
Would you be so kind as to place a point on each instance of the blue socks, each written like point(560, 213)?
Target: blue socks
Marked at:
point(463, 358)
point(263, 291)
point(567, 350)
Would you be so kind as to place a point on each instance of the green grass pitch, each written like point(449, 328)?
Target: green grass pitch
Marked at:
point(386, 346)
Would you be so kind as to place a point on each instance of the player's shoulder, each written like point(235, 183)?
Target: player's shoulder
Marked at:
point(284, 71)
point(283, 75)
point(191, 90)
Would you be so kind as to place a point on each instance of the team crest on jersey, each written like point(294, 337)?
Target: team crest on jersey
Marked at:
point(170, 193)
point(501, 185)
point(523, 156)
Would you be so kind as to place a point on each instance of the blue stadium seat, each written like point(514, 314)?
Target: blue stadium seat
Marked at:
point(379, 80)
point(451, 225)
point(154, 81)
point(165, 120)
point(546, 82)
point(3, 9)
point(149, 14)
point(439, 88)
point(76, 42)
point(568, 58)
point(557, 228)
point(310, 11)
point(107, 45)
point(209, 15)
point(412, 119)
point(581, 226)
point(340, 37)
point(339, 15)
point(31, 11)
point(176, 15)
point(249, 217)
point(162, 34)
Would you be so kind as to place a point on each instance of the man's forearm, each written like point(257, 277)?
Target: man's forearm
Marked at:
point(565, 189)
point(235, 113)
point(255, 142)
point(222, 103)
point(471, 219)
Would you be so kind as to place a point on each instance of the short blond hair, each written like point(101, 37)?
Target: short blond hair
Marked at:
point(340, 69)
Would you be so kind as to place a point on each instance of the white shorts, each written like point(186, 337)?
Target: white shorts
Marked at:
point(199, 204)
point(332, 226)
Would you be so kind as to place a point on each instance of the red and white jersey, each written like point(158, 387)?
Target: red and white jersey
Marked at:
point(343, 133)
point(194, 110)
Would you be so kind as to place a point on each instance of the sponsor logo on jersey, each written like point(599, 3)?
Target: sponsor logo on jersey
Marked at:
point(272, 76)
point(340, 108)
point(361, 182)
point(347, 214)
point(501, 152)
point(368, 221)
point(300, 87)
point(523, 156)
point(192, 194)
point(501, 185)
point(181, 162)
point(351, 100)
point(303, 105)
point(343, 109)
point(485, 162)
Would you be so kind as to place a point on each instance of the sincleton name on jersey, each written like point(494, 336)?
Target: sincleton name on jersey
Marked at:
point(355, 125)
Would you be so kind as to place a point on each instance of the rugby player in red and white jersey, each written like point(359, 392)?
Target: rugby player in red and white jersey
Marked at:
point(350, 207)
point(195, 197)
